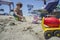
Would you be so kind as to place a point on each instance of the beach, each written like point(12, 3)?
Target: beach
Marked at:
point(16, 30)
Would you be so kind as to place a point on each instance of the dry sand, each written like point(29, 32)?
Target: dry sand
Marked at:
point(15, 30)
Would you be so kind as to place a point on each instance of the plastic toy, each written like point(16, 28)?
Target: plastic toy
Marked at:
point(50, 23)
point(35, 19)
point(51, 26)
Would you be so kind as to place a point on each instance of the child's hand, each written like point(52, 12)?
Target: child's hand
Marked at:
point(20, 17)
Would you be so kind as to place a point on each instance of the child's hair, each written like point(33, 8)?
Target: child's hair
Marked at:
point(19, 4)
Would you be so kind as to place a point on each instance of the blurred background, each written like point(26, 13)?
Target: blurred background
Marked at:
point(29, 6)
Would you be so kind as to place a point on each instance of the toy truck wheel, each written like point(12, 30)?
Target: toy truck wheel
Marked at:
point(57, 33)
point(48, 34)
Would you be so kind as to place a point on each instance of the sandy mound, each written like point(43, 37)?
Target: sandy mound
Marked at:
point(15, 30)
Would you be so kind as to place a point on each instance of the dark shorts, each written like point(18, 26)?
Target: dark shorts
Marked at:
point(51, 6)
point(16, 17)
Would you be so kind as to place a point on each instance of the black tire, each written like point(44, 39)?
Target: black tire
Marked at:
point(48, 34)
point(57, 33)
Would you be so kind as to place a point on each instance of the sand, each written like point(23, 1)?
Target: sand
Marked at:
point(10, 29)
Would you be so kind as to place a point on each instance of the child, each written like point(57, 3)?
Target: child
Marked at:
point(18, 12)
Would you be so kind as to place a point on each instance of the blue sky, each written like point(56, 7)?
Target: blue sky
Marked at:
point(37, 5)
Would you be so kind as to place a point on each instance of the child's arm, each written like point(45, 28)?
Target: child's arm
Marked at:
point(15, 11)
